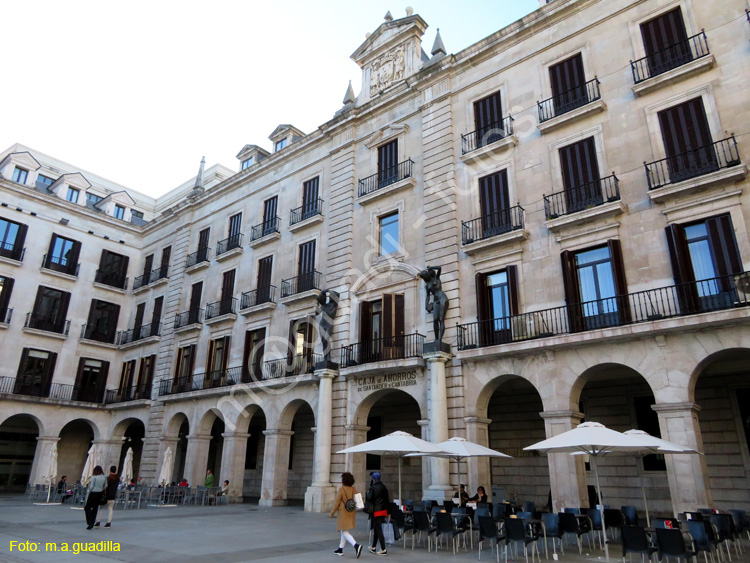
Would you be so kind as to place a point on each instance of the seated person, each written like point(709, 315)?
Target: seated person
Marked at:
point(62, 489)
point(463, 496)
point(481, 495)
point(183, 483)
point(223, 490)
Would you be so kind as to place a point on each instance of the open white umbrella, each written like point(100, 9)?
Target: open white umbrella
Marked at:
point(398, 444)
point(50, 469)
point(461, 449)
point(92, 460)
point(127, 467)
point(595, 440)
point(167, 467)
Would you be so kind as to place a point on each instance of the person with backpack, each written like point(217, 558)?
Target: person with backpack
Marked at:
point(110, 493)
point(346, 506)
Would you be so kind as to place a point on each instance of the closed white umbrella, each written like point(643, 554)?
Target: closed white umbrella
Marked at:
point(397, 444)
point(92, 460)
point(127, 467)
point(50, 472)
point(595, 440)
point(167, 467)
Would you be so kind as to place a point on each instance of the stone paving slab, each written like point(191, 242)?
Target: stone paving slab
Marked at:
point(223, 534)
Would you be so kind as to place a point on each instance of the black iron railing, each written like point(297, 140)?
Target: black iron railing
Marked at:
point(60, 264)
point(6, 315)
point(229, 243)
point(568, 101)
point(492, 225)
point(31, 387)
point(192, 317)
point(12, 250)
point(112, 279)
point(582, 197)
point(224, 307)
point(162, 272)
point(310, 209)
point(49, 323)
point(644, 306)
point(385, 178)
point(133, 393)
point(301, 283)
point(382, 349)
point(201, 255)
point(693, 163)
point(200, 381)
point(258, 296)
point(291, 366)
point(7, 384)
point(266, 228)
point(98, 333)
point(486, 135)
point(139, 333)
point(674, 56)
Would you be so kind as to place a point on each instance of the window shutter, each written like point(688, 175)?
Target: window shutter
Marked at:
point(389, 303)
point(310, 195)
point(192, 359)
point(22, 365)
point(579, 164)
point(146, 388)
point(665, 31)
point(102, 382)
point(209, 359)
point(180, 354)
point(51, 249)
point(399, 325)
point(51, 361)
point(124, 262)
point(621, 286)
point(682, 269)
point(487, 113)
point(20, 239)
point(494, 199)
point(196, 293)
point(512, 274)
point(166, 255)
point(225, 357)
point(572, 293)
point(203, 238)
point(567, 75)
point(112, 316)
point(5, 296)
point(156, 315)
point(227, 288)
point(484, 327)
point(388, 158)
point(139, 312)
point(63, 310)
point(365, 321)
point(75, 253)
point(292, 342)
point(724, 245)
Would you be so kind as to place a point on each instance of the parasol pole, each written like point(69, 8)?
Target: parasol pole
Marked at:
point(643, 488)
point(400, 500)
point(601, 503)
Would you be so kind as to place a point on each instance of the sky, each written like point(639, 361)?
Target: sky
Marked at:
point(137, 92)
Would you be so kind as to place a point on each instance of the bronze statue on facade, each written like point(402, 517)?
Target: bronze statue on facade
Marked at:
point(436, 301)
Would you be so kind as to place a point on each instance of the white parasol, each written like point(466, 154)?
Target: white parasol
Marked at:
point(50, 472)
point(92, 460)
point(167, 467)
point(127, 467)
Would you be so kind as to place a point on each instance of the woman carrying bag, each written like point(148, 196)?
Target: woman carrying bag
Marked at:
point(96, 495)
point(346, 506)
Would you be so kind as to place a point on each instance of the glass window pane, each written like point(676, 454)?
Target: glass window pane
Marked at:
point(389, 234)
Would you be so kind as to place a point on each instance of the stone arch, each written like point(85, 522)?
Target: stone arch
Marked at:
point(19, 449)
point(90, 423)
point(485, 395)
point(600, 370)
point(376, 270)
point(172, 429)
point(129, 433)
point(73, 447)
point(121, 426)
point(208, 419)
point(37, 421)
point(728, 355)
point(289, 411)
point(364, 407)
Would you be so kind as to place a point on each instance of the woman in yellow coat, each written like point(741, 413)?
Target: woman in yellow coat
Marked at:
point(345, 520)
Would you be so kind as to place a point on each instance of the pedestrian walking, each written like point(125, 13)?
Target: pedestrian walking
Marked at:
point(378, 496)
point(110, 493)
point(347, 509)
point(97, 484)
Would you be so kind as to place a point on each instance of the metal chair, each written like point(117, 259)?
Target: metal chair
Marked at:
point(517, 531)
point(672, 544)
point(701, 540)
point(630, 515)
point(446, 527)
point(421, 525)
point(551, 521)
point(488, 531)
point(635, 540)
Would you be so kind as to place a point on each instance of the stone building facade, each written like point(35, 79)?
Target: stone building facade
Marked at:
point(579, 178)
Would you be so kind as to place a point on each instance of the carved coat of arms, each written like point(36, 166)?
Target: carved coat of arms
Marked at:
point(387, 70)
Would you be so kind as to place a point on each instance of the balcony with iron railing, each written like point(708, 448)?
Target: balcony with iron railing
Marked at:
point(54, 324)
point(12, 250)
point(34, 387)
point(678, 300)
point(5, 316)
point(150, 330)
point(228, 244)
point(147, 278)
point(98, 333)
point(133, 393)
point(200, 381)
point(260, 296)
point(291, 366)
point(487, 135)
point(708, 161)
point(112, 279)
point(188, 318)
point(382, 349)
point(492, 225)
point(307, 211)
point(670, 58)
point(385, 178)
point(302, 283)
point(567, 102)
point(267, 228)
point(201, 256)
point(580, 198)
point(61, 265)
point(221, 308)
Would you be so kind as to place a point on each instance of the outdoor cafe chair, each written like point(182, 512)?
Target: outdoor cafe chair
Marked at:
point(613, 521)
point(698, 530)
point(596, 527)
point(672, 544)
point(446, 527)
point(740, 521)
point(398, 519)
point(662, 523)
point(523, 515)
point(725, 532)
point(421, 525)
point(528, 506)
point(488, 531)
point(635, 540)
point(569, 524)
point(517, 531)
point(630, 515)
point(551, 521)
point(499, 511)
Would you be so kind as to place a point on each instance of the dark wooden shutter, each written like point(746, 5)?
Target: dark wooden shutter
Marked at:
point(682, 269)
point(388, 159)
point(270, 210)
point(621, 285)
point(487, 113)
point(139, 313)
point(310, 191)
point(724, 248)
point(292, 342)
point(494, 203)
point(79, 375)
point(178, 364)
point(49, 373)
point(20, 380)
point(148, 265)
point(235, 225)
point(365, 331)
point(196, 292)
point(399, 325)
point(203, 238)
point(20, 239)
point(191, 369)
point(687, 140)
point(247, 353)
point(665, 42)
point(7, 289)
point(225, 355)
point(166, 255)
point(389, 325)
point(580, 174)
point(146, 386)
point(122, 271)
point(511, 273)
point(265, 266)
point(306, 266)
point(101, 382)
point(126, 377)
point(158, 305)
point(227, 291)
point(568, 83)
point(484, 315)
point(75, 253)
point(112, 318)
point(572, 291)
point(62, 311)
point(51, 249)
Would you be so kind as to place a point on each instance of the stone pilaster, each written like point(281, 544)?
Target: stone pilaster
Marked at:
point(567, 473)
point(355, 463)
point(44, 445)
point(320, 495)
point(479, 468)
point(275, 467)
point(233, 463)
point(687, 474)
point(196, 459)
point(440, 487)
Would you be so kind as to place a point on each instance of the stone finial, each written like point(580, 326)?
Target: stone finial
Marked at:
point(409, 11)
point(349, 97)
point(388, 16)
point(367, 35)
point(199, 178)
point(438, 48)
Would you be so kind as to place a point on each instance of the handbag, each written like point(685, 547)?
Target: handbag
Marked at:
point(103, 500)
point(350, 505)
point(388, 535)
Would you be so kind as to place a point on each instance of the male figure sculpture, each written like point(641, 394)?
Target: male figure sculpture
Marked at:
point(328, 303)
point(436, 301)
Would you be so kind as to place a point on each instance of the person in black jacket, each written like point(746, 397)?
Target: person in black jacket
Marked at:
point(378, 496)
point(110, 493)
point(481, 495)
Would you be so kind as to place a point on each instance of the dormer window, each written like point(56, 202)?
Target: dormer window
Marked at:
point(20, 175)
point(43, 181)
point(248, 162)
point(93, 199)
point(136, 214)
point(119, 212)
point(72, 195)
point(280, 144)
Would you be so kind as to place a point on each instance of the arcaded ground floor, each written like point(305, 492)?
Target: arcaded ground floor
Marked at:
point(239, 532)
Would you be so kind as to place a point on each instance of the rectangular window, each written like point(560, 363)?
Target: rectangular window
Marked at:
point(310, 194)
point(145, 377)
point(184, 368)
point(648, 421)
point(166, 256)
point(568, 83)
point(389, 234)
point(127, 376)
point(381, 328)
point(488, 118)
point(136, 214)
point(119, 212)
point(388, 163)
point(148, 265)
point(494, 204)
point(247, 163)
point(93, 199)
point(270, 211)
point(227, 292)
point(265, 267)
point(687, 141)
point(102, 321)
point(35, 373)
point(63, 255)
point(72, 195)
point(50, 310)
point(20, 175)
point(113, 269)
point(280, 144)
point(580, 174)
point(156, 316)
point(497, 302)
point(665, 42)
point(301, 345)
point(235, 228)
point(91, 380)
point(43, 181)
point(6, 289)
point(306, 266)
point(12, 237)
point(218, 360)
point(252, 358)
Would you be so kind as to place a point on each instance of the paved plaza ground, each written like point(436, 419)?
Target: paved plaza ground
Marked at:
point(240, 532)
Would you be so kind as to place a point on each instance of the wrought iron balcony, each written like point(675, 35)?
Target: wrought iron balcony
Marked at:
point(570, 100)
point(192, 317)
point(162, 272)
point(300, 284)
point(6, 315)
point(112, 279)
point(139, 333)
point(32, 387)
point(258, 297)
point(694, 163)
point(266, 228)
point(492, 225)
point(132, 393)
point(672, 57)
point(48, 323)
point(582, 197)
point(200, 381)
point(291, 366)
point(98, 333)
point(224, 307)
point(385, 178)
point(60, 264)
point(702, 296)
point(487, 135)
point(307, 211)
point(202, 255)
point(382, 349)
point(229, 243)
point(13, 251)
